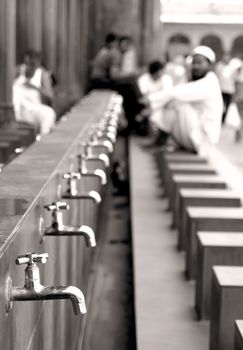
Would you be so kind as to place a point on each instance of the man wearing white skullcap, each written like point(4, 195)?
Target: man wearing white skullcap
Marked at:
point(191, 112)
point(204, 51)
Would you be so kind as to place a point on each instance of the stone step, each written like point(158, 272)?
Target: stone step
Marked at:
point(15, 139)
point(238, 335)
point(226, 306)
point(184, 168)
point(6, 149)
point(207, 219)
point(201, 198)
point(23, 133)
point(164, 158)
point(214, 248)
point(192, 182)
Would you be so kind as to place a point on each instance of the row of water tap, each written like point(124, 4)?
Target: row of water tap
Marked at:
point(102, 135)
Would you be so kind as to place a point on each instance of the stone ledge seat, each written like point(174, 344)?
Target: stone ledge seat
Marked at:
point(18, 135)
point(214, 248)
point(238, 343)
point(193, 182)
point(165, 157)
point(186, 169)
point(201, 198)
point(207, 219)
point(226, 305)
point(7, 149)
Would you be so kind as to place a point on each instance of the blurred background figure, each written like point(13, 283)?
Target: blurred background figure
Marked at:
point(115, 67)
point(129, 63)
point(238, 99)
point(106, 64)
point(33, 94)
point(176, 68)
point(226, 70)
point(152, 82)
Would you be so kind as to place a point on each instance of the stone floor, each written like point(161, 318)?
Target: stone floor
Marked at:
point(231, 149)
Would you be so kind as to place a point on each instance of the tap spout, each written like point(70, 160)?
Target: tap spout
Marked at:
point(65, 230)
point(103, 143)
point(107, 135)
point(101, 157)
point(93, 195)
point(75, 295)
point(96, 173)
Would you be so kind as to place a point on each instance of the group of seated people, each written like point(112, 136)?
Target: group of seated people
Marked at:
point(179, 100)
point(186, 105)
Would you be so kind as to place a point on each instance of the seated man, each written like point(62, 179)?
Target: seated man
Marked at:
point(33, 94)
point(153, 81)
point(192, 111)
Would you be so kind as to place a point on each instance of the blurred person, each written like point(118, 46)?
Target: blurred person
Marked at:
point(238, 99)
point(129, 64)
point(192, 111)
point(107, 74)
point(32, 66)
point(119, 178)
point(106, 65)
point(226, 71)
point(152, 81)
point(176, 68)
point(33, 94)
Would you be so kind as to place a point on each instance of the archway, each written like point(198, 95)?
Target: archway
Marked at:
point(237, 47)
point(178, 44)
point(215, 43)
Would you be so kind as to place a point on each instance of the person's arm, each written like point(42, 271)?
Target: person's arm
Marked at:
point(193, 91)
point(189, 92)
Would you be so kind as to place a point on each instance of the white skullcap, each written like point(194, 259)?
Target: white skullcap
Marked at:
point(204, 51)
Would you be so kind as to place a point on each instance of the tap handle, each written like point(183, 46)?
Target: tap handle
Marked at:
point(82, 157)
point(93, 137)
point(31, 258)
point(57, 206)
point(71, 175)
point(84, 147)
point(87, 151)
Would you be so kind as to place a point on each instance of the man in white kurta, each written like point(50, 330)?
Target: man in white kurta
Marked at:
point(152, 82)
point(192, 111)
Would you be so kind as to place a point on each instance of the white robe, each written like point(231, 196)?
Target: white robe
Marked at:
point(192, 112)
point(148, 86)
point(28, 106)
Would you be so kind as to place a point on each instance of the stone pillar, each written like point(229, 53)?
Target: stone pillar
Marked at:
point(151, 31)
point(82, 45)
point(7, 57)
point(49, 34)
point(74, 44)
point(62, 38)
point(29, 27)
